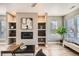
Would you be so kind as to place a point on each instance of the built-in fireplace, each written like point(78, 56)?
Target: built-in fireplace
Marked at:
point(26, 35)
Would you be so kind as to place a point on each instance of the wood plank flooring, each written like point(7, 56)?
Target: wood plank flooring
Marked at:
point(55, 49)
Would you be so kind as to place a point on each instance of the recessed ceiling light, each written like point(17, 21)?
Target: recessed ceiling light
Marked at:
point(73, 7)
point(34, 4)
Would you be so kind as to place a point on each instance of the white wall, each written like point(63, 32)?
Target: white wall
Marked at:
point(19, 30)
point(2, 11)
point(50, 35)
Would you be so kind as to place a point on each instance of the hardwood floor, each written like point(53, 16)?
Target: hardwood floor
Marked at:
point(52, 49)
point(55, 49)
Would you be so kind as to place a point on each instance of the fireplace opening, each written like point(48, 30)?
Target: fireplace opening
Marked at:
point(26, 35)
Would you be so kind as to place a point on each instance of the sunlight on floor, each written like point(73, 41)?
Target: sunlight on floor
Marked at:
point(56, 50)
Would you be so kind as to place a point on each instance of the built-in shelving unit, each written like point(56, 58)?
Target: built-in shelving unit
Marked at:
point(41, 30)
point(12, 32)
point(42, 33)
point(11, 29)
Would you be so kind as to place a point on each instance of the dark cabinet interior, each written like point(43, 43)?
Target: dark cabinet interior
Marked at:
point(41, 25)
point(12, 40)
point(12, 25)
point(12, 33)
point(41, 33)
point(41, 39)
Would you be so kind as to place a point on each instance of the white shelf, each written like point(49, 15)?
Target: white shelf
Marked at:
point(11, 21)
point(41, 42)
point(11, 29)
point(41, 29)
point(12, 37)
point(42, 22)
point(41, 36)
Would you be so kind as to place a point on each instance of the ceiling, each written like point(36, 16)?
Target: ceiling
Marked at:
point(53, 9)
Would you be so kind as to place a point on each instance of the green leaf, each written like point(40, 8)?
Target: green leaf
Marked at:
point(61, 30)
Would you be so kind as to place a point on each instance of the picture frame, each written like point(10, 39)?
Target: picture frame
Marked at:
point(27, 23)
point(23, 20)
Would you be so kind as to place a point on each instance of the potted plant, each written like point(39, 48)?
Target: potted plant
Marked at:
point(61, 30)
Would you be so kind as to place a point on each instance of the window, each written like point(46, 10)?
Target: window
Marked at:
point(54, 25)
point(2, 28)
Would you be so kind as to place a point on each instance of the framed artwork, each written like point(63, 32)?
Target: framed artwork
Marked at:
point(27, 23)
